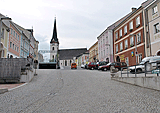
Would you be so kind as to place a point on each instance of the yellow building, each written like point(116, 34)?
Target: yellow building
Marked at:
point(4, 39)
point(93, 53)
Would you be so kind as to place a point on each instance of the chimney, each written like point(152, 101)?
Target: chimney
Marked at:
point(133, 9)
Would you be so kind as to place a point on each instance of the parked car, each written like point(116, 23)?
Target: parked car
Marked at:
point(86, 66)
point(117, 65)
point(105, 67)
point(147, 60)
point(100, 64)
point(91, 65)
point(82, 66)
point(73, 66)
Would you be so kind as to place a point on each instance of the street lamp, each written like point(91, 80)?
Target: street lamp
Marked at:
point(110, 50)
point(135, 46)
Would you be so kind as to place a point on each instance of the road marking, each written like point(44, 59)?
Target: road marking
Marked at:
point(17, 87)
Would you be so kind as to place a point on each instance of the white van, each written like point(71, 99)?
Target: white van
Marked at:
point(149, 65)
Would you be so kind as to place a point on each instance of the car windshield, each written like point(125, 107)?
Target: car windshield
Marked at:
point(108, 64)
point(144, 60)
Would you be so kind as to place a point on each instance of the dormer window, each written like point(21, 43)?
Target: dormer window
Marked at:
point(154, 10)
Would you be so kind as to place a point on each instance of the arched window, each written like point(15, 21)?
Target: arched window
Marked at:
point(158, 54)
point(52, 48)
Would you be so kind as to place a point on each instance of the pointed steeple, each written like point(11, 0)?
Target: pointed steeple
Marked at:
point(54, 36)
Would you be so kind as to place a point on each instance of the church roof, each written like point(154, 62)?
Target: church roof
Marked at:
point(66, 54)
point(54, 36)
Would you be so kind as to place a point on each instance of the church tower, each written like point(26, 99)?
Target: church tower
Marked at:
point(54, 44)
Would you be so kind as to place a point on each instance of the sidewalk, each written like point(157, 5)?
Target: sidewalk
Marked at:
point(6, 87)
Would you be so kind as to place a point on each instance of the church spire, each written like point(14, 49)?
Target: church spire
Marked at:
point(54, 36)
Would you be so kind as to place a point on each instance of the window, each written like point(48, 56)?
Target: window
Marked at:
point(103, 41)
point(126, 44)
point(121, 46)
point(127, 61)
point(13, 33)
point(139, 58)
point(16, 35)
point(156, 28)
point(120, 33)
point(106, 38)
point(10, 44)
point(65, 62)
point(131, 41)
point(125, 29)
point(116, 35)
point(131, 25)
point(104, 52)
point(117, 48)
point(11, 30)
point(13, 46)
point(154, 10)
point(3, 33)
point(138, 37)
point(53, 48)
point(137, 21)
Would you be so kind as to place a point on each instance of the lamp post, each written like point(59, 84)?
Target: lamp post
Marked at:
point(135, 46)
point(110, 50)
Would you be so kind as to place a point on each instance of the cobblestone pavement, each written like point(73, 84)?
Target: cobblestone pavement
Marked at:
point(79, 91)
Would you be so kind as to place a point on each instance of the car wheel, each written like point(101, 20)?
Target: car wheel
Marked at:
point(139, 70)
point(105, 69)
point(117, 69)
point(92, 68)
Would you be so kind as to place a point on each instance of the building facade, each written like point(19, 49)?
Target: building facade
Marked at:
point(14, 41)
point(152, 13)
point(93, 53)
point(85, 58)
point(4, 39)
point(105, 45)
point(129, 39)
point(36, 50)
point(25, 41)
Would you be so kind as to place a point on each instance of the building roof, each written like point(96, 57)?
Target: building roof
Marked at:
point(65, 54)
point(95, 44)
point(24, 31)
point(129, 16)
point(146, 3)
point(111, 27)
point(54, 36)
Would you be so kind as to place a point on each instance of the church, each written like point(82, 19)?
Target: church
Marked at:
point(62, 57)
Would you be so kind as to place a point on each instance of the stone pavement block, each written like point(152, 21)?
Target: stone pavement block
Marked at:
point(3, 91)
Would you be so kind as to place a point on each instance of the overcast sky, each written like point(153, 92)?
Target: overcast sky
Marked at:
point(79, 22)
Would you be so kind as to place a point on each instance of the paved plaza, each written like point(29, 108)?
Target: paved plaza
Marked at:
point(78, 91)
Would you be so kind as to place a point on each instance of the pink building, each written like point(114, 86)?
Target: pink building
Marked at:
point(105, 45)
